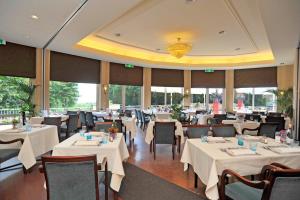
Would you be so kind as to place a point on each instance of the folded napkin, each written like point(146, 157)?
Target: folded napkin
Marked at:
point(286, 149)
point(87, 143)
point(216, 139)
point(97, 134)
point(240, 152)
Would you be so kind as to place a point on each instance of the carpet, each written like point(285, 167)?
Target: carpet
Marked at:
point(141, 185)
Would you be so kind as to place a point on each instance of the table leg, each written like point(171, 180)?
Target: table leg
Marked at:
point(196, 180)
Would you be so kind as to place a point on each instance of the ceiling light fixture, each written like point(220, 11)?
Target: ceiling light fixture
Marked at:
point(190, 1)
point(237, 49)
point(118, 34)
point(179, 49)
point(34, 17)
point(221, 32)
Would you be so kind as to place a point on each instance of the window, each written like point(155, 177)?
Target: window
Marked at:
point(254, 99)
point(198, 98)
point(215, 99)
point(126, 96)
point(72, 96)
point(166, 95)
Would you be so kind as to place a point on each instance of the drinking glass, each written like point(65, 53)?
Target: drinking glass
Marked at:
point(240, 140)
point(253, 146)
point(203, 138)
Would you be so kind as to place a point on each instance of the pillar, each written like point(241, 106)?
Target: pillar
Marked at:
point(146, 94)
point(229, 90)
point(47, 80)
point(38, 81)
point(187, 88)
point(104, 87)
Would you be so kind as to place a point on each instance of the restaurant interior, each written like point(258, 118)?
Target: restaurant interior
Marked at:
point(149, 99)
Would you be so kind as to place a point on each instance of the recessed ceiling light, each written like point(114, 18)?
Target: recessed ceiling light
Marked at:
point(237, 49)
point(282, 63)
point(158, 49)
point(34, 17)
point(190, 1)
point(221, 32)
point(118, 34)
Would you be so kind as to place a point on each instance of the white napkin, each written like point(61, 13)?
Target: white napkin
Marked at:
point(240, 152)
point(97, 134)
point(87, 143)
point(216, 139)
point(286, 149)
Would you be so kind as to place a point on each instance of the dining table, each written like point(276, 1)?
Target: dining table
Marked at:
point(149, 132)
point(37, 141)
point(210, 158)
point(40, 119)
point(115, 151)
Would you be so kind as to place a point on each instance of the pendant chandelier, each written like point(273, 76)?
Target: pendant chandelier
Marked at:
point(179, 49)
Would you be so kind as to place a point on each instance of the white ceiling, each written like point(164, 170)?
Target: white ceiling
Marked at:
point(252, 25)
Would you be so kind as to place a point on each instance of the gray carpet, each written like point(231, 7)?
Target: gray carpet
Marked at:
point(141, 185)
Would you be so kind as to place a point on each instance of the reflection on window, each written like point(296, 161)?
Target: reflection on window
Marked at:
point(72, 96)
point(215, 99)
point(254, 99)
point(166, 95)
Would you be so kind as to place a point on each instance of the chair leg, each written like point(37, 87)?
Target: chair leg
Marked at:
point(173, 153)
point(154, 149)
point(115, 195)
point(195, 180)
point(179, 143)
point(151, 145)
point(130, 138)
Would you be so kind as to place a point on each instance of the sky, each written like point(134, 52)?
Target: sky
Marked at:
point(87, 93)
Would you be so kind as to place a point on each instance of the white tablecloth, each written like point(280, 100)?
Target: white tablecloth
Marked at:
point(130, 124)
point(39, 120)
point(202, 119)
point(36, 142)
point(239, 126)
point(208, 161)
point(287, 121)
point(115, 152)
point(149, 131)
point(100, 114)
point(163, 115)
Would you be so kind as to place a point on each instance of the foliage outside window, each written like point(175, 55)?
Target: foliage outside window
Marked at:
point(132, 96)
point(166, 95)
point(198, 97)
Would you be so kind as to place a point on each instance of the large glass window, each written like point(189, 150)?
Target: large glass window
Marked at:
point(166, 95)
point(127, 96)
point(215, 99)
point(72, 96)
point(254, 99)
point(198, 98)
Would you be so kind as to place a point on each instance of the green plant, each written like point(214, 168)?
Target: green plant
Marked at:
point(14, 121)
point(284, 101)
point(176, 111)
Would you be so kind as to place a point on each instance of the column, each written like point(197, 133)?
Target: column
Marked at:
point(104, 88)
point(38, 81)
point(47, 80)
point(285, 75)
point(187, 88)
point(229, 90)
point(146, 91)
point(98, 91)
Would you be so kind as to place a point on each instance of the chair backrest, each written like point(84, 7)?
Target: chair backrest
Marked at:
point(284, 184)
point(164, 132)
point(267, 129)
point(72, 112)
point(259, 113)
point(223, 130)
point(212, 121)
point(72, 124)
point(118, 123)
point(128, 113)
point(194, 121)
point(82, 118)
point(220, 117)
point(184, 117)
point(253, 117)
point(103, 126)
point(89, 119)
point(274, 114)
point(73, 178)
point(197, 131)
point(142, 117)
point(139, 115)
point(56, 121)
point(279, 120)
point(201, 112)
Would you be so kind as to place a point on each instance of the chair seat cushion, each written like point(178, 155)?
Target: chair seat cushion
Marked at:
point(63, 128)
point(6, 154)
point(239, 191)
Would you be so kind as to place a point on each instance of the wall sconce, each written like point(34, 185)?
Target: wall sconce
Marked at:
point(105, 88)
point(187, 92)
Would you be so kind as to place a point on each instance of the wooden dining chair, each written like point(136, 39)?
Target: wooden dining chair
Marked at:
point(74, 177)
point(6, 154)
point(277, 182)
point(224, 130)
point(103, 126)
point(264, 129)
point(197, 131)
point(56, 121)
point(164, 133)
point(70, 127)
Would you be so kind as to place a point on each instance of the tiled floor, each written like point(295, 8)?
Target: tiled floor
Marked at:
point(16, 186)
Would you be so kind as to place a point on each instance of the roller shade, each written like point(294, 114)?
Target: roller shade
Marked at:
point(258, 77)
point(120, 75)
point(202, 79)
point(70, 68)
point(17, 60)
point(167, 77)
